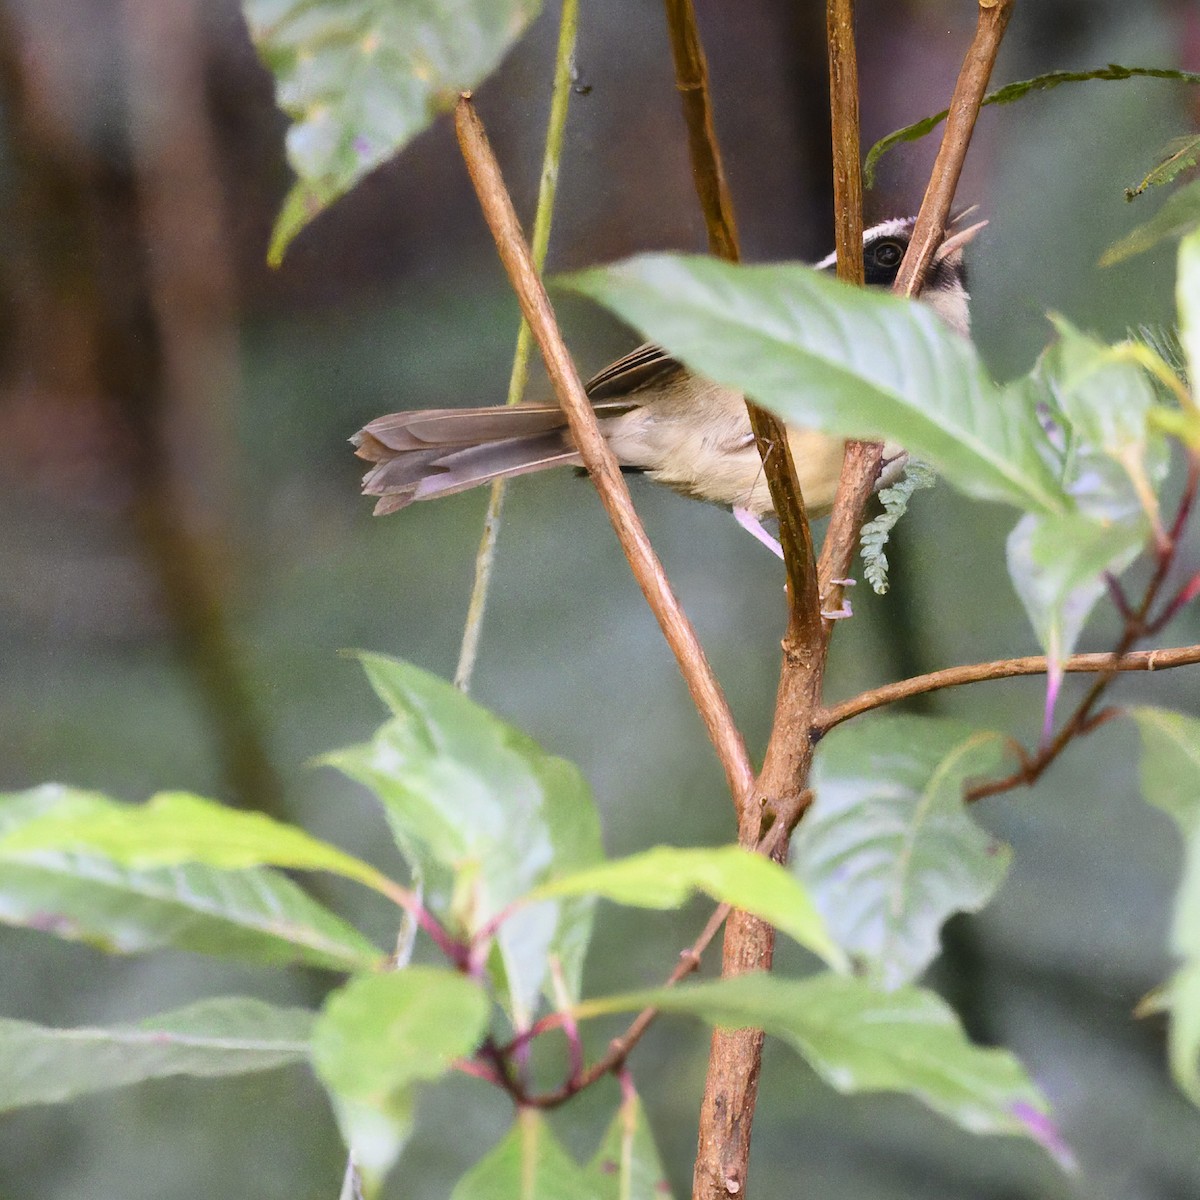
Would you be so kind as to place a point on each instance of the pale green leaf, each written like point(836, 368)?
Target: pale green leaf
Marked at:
point(528, 1164)
point(484, 815)
point(852, 361)
point(175, 828)
point(226, 1036)
point(360, 78)
point(1179, 215)
point(1187, 296)
point(1057, 566)
point(887, 850)
point(1170, 773)
point(859, 1039)
point(666, 877)
point(627, 1165)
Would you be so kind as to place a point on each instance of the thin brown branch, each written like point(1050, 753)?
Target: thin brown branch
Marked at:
point(597, 457)
point(960, 124)
point(1004, 668)
point(770, 434)
point(689, 961)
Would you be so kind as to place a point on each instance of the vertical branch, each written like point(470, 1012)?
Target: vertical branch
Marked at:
point(770, 435)
point(601, 464)
point(485, 557)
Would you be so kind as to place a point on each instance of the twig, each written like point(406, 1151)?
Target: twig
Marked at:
point(770, 434)
point(597, 457)
point(1005, 668)
point(620, 1047)
point(485, 556)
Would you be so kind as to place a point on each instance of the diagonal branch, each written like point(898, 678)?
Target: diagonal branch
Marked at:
point(597, 457)
point(1004, 668)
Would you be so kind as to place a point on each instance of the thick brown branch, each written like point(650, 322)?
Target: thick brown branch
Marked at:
point(1004, 668)
point(597, 457)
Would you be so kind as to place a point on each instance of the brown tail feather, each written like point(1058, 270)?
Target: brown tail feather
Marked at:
point(437, 452)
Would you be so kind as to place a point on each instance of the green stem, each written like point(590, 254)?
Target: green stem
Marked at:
point(486, 555)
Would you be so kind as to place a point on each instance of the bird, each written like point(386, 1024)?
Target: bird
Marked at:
point(658, 417)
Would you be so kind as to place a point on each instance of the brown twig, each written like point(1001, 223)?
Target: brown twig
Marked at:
point(597, 457)
point(770, 434)
point(620, 1047)
point(1004, 668)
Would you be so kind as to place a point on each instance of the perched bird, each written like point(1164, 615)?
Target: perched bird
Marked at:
point(656, 415)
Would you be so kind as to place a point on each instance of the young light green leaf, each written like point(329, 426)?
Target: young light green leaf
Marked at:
point(847, 360)
point(1187, 296)
point(667, 876)
point(1179, 215)
point(226, 1036)
point(859, 1039)
point(528, 1164)
point(1170, 771)
point(1015, 91)
point(485, 815)
point(1057, 566)
point(375, 1138)
point(877, 531)
point(887, 850)
point(252, 914)
point(175, 828)
point(627, 1165)
point(360, 78)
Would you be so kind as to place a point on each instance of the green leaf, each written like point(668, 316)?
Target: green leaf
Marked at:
point(360, 78)
point(379, 1036)
point(1170, 770)
point(1179, 214)
point(887, 850)
point(1015, 91)
point(225, 1036)
point(252, 914)
point(667, 877)
point(528, 1164)
point(1057, 567)
point(851, 361)
point(1180, 155)
point(859, 1039)
point(484, 815)
point(627, 1165)
point(175, 828)
point(1187, 296)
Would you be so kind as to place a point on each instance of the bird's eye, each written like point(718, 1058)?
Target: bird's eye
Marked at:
point(888, 254)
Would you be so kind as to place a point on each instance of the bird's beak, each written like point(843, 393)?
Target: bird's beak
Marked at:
point(953, 245)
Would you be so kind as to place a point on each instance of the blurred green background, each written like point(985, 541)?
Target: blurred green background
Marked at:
point(183, 550)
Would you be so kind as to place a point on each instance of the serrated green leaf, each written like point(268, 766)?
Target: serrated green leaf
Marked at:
point(1015, 91)
point(174, 828)
point(1179, 214)
point(859, 1039)
point(667, 876)
point(485, 815)
point(225, 1036)
point(528, 1164)
point(847, 360)
point(887, 850)
point(627, 1165)
point(361, 78)
point(1170, 774)
point(252, 914)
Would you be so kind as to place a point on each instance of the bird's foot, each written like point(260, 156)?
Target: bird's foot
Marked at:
point(754, 527)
